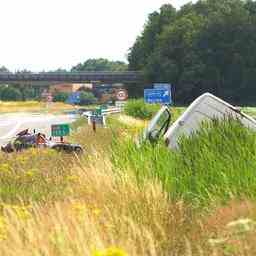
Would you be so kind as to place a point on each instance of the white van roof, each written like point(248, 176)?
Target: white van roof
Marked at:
point(206, 107)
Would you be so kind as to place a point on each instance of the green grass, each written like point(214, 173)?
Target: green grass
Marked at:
point(216, 163)
point(139, 109)
point(143, 201)
point(249, 111)
point(80, 122)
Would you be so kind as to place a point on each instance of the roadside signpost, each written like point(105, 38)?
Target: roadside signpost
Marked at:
point(163, 86)
point(161, 96)
point(60, 130)
point(120, 104)
point(47, 98)
point(98, 112)
point(74, 98)
point(98, 118)
point(121, 95)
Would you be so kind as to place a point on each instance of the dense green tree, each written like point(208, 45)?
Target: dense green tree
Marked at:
point(28, 93)
point(206, 46)
point(100, 65)
point(60, 97)
point(87, 98)
point(8, 93)
point(3, 69)
point(141, 52)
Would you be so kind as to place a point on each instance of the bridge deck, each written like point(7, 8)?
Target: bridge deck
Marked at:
point(74, 77)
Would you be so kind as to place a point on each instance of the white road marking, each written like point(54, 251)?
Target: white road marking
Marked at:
point(11, 132)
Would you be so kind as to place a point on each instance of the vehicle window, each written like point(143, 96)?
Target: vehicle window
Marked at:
point(159, 125)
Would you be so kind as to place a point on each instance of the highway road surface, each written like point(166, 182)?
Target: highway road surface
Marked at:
point(13, 123)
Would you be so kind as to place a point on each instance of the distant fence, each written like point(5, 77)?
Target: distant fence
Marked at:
point(108, 111)
point(112, 110)
point(105, 112)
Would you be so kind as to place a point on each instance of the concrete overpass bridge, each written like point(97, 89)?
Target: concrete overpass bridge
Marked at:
point(126, 77)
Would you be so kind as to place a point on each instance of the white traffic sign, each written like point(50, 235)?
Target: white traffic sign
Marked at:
point(121, 94)
point(49, 98)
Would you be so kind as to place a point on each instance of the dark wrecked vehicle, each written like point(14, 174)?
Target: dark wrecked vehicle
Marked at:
point(25, 140)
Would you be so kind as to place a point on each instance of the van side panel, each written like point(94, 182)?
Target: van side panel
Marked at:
point(205, 108)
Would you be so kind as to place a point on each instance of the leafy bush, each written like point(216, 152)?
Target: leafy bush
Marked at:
point(60, 97)
point(139, 109)
point(10, 94)
point(87, 98)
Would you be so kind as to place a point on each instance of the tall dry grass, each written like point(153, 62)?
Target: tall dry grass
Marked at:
point(86, 206)
point(99, 211)
point(33, 106)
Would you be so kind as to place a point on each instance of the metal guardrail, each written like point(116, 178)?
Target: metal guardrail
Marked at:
point(105, 112)
point(112, 110)
point(108, 111)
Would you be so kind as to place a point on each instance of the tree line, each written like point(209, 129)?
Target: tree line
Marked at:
point(209, 46)
point(17, 92)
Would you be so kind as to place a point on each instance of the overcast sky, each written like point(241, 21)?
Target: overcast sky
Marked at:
point(50, 34)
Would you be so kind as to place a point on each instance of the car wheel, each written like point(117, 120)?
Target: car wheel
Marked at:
point(78, 150)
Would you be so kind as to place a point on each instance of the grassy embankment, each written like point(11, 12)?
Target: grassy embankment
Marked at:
point(120, 200)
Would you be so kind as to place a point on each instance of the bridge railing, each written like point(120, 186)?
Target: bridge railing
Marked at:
point(105, 76)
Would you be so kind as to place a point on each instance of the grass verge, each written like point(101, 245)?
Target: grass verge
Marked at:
point(132, 201)
point(216, 163)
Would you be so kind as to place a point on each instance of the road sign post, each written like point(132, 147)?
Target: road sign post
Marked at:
point(47, 98)
point(74, 98)
point(164, 86)
point(121, 95)
point(93, 125)
point(60, 130)
point(153, 96)
point(98, 118)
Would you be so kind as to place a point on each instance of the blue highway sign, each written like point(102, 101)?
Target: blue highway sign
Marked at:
point(166, 87)
point(74, 98)
point(162, 96)
point(162, 86)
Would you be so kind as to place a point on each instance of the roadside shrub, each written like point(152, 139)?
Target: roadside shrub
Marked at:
point(139, 109)
point(87, 98)
point(60, 97)
point(10, 94)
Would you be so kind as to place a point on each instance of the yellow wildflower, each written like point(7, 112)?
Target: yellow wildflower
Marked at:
point(112, 251)
point(2, 228)
point(5, 168)
point(21, 212)
point(72, 178)
point(96, 211)
point(30, 173)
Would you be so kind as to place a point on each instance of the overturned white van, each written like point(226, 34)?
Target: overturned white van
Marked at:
point(206, 107)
